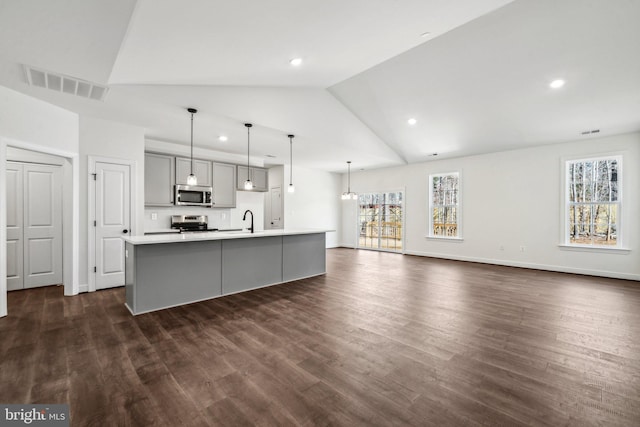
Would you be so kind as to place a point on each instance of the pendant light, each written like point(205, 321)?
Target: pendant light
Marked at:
point(192, 179)
point(291, 188)
point(248, 185)
point(348, 195)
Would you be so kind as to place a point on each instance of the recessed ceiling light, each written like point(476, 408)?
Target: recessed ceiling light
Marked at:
point(425, 34)
point(556, 84)
point(412, 121)
point(270, 156)
point(296, 62)
point(223, 138)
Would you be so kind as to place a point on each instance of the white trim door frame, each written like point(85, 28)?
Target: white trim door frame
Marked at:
point(91, 209)
point(71, 201)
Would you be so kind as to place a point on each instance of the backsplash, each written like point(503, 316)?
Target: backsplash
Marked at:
point(218, 218)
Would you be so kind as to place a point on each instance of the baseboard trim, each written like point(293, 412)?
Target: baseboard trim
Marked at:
point(83, 288)
point(533, 266)
point(344, 245)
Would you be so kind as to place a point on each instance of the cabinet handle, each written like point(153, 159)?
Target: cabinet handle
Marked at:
point(125, 231)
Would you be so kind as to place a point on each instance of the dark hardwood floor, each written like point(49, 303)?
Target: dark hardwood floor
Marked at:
point(382, 339)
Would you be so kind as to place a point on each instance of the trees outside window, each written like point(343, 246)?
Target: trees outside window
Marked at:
point(444, 205)
point(593, 202)
point(380, 221)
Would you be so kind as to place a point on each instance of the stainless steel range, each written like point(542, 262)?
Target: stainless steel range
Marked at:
point(191, 223)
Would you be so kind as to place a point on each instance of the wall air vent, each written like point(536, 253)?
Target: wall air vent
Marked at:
point(589, 132)
point(65, 84)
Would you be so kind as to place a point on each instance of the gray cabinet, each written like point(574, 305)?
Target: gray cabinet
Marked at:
point(259, 177)
point(201, 169)
point(224, 185)
point(159, 178)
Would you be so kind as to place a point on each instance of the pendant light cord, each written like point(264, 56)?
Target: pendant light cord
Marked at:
point(191, 143)
point(349, 178)
point(248, 148)
point(291, 159)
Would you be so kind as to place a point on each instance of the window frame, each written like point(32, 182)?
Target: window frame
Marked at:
point(566, 204)
point(403, 248)
point(431, 206)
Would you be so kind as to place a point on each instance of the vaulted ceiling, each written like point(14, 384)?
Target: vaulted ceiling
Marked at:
point(477, 82)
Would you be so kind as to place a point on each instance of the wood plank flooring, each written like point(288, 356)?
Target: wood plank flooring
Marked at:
point(382, 339)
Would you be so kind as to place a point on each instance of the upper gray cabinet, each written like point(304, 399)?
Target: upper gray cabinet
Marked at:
point(224, 185)
point(159, 177)
point(259, 177)
point(201, 169)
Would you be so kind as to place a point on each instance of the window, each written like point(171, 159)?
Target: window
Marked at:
point(593, 202)
point(380, 221)
point(444, 205)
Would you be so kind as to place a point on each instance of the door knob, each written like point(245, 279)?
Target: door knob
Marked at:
point(125, 231)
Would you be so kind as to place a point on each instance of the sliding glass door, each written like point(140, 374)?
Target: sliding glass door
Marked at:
point(380, 221)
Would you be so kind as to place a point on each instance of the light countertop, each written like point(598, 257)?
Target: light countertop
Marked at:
point(216, 235)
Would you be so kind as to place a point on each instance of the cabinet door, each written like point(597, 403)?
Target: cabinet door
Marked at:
point(224, 185)
point(242, 177)
point(260, 178)
point(201, 169)
point(159, 177)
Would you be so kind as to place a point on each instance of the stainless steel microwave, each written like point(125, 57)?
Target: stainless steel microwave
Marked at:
point(193, 195)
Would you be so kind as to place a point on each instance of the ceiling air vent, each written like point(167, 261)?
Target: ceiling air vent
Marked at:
point(65, 84)
point(589, 132)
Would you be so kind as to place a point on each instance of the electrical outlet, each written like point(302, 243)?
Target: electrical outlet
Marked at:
point(154, 216)
point(522, 248)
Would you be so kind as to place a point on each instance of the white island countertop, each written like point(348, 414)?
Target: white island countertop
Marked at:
point(216, 235)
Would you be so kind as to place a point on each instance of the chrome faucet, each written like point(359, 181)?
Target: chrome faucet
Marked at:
point(245, 217)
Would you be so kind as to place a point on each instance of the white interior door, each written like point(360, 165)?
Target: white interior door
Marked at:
point(113, 219)
point(15, 247)
point(276, 207)
point(42, 225)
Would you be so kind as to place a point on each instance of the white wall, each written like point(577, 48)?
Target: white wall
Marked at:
point(221, 218)
point(29, 123)
point(254, 201)
point(218, 217)
point(102, 138)
point(199, 153)
point(511, 199)
point(315, 203)
point(36, 122)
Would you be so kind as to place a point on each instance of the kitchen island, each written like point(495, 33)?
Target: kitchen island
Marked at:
point(167, 270)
